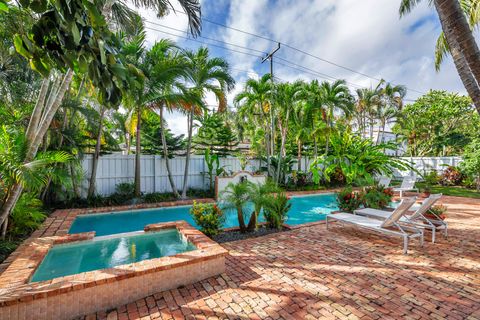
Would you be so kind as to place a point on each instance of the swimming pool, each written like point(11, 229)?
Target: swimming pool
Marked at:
point(102, 253)
point(304, 209)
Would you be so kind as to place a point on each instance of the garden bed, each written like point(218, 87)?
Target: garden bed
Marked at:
point(235, 234)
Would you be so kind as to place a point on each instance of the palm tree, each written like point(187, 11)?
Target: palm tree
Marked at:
point(287, 97)
point(391, 102)
point(206, 75)
point(313, 96)
point(14, 170)
point(254, 107)
point(336, 97)
point(237, 196)
point(258, 196)
point(460, 41)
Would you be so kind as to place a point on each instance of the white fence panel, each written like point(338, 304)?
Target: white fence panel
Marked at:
point(116, 168)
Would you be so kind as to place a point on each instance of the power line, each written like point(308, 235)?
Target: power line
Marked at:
point(296, 49)
point(295, 66)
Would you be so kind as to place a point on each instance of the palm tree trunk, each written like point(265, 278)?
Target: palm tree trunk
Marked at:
point(282, 152)
point(299, 156)
point(456, 29)
point(165, 155)
point(138, 152)
point(96, 154)
point(187, 156)
point(76, 191)
point(241, 221)
point(464, 69)
point(39, 123)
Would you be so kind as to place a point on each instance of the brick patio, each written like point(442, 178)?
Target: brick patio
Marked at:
point(313, 273)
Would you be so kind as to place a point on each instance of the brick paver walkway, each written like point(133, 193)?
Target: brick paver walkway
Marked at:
point(312, 273)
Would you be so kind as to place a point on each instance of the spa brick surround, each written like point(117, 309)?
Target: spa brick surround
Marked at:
point(83, 293)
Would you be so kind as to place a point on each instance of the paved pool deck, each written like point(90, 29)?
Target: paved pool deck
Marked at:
point(341, 273)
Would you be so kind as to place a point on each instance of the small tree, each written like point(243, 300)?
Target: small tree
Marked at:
point(236, 196)
point(471, 161)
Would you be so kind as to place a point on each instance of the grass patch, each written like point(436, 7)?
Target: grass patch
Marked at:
point(456, 191)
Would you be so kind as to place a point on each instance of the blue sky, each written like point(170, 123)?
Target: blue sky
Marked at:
point(367, 36)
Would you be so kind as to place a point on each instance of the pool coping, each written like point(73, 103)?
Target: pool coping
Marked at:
point(15, 287)
point(59, 222)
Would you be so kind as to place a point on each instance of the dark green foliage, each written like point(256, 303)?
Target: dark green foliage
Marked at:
point(215, 134)
point(151, 137)
point(438, 124)
point(155, 197)
point(26, 216)
point(208, 217)
point(275, 210)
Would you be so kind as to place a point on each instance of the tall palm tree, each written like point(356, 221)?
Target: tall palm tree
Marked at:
point(313, 96)
point(206, 74)
point(460, 41)
point(365, 106)
point(254, 108)
point(336, 97)
point(391, 102)
point(287, 97)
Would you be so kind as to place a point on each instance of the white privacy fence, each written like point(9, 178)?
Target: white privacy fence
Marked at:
point(116, 168)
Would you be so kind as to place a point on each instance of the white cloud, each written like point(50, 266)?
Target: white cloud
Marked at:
point(366, 35)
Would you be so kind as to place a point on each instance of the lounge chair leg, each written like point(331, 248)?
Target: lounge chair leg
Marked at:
point(405, 245)
point(433, 235)
point(422, 239)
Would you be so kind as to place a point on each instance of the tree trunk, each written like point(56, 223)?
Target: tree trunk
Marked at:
point(39, 123)
point(458, 52)
point(76, 191)
point(282, 152)
point(4, 229)
point(165, 155)
point(299, 156)
point(187, 156)
point(456, 29)
point(96, 154)
point(241, 222)
point(252, 223)
point(138, 152)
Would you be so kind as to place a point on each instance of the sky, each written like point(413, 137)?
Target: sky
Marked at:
point(365, 36)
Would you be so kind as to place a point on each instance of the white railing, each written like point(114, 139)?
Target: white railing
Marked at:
point(116, 168)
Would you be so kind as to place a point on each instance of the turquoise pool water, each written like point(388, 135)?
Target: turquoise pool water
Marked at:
point(304, 209)
point(67, 259)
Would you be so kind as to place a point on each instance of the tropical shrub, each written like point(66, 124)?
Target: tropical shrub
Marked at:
point(451, 177)
point(431, 178)
point(209, 217)
point(154, 197)
point(26, 216)
point(275, 210)
point(376, 197)
point(352, 158)
point(348, 200)
point(471, 164)
point(236, 196)
point(259, 196)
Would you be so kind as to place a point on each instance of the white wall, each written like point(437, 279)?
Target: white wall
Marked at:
point(117, 168)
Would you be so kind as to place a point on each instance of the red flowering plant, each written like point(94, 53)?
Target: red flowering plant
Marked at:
point(209, 217)
point(377, 197)
point(348, 200)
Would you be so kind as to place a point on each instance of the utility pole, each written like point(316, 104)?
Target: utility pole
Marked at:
point(272, 124)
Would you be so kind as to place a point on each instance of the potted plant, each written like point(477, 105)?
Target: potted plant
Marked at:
point(436, 213)
point(426, 191)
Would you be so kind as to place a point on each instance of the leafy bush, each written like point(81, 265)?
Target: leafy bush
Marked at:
point(348, 200)
point(431, 178)
point(209, 217)
point(471, 163)
point(376, 197)
point(451, 177)
point(275, 210)
point(352, 158)
point(26, 216)
point(158, 197)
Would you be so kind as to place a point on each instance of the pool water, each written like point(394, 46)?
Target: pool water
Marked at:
point(68, 259)
point(304, 209)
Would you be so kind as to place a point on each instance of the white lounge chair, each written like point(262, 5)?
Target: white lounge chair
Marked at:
point(408, 184)
point(384, 181)
point(417, 219)
point(389, 226)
